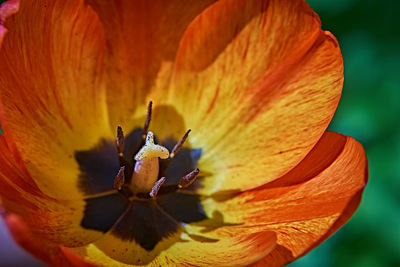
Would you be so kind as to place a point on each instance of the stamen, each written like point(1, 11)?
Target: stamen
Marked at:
point(151, 150)
point(147, 122)
point(120, 178)
point(156, 187)
point(188, 179)
point(120, 141)
point(179, 145)
point(184, 182)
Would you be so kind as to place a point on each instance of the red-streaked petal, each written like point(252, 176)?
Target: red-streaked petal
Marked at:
point(21, 234)
point(56, 221)
point(52, 97)
point(49, 220)
point(302, 207)
point(11, 176)
point(142, 39)
point(235, 251)
point(258, 83)
point(281, 255)
point(47, 252)
point(7, 9)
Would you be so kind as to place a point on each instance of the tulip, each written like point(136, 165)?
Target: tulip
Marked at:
point(169, 133)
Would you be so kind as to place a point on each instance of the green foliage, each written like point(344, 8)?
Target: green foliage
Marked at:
point(369, 111)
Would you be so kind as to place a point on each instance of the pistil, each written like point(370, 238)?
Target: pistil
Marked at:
point(146, 168)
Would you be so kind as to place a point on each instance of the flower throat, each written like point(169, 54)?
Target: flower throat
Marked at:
point(142, 181)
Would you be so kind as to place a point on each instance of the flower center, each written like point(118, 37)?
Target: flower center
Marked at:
point(143, 180)
point(138, 189)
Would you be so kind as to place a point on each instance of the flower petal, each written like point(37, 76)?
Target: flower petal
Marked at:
point(47, 252)
point(22, 235)
point(7, 9)
point(11, 176)
point(52, 97)
point(142, 37)
point(75, 259)
point(61, 221)
point(302, 207)
point(258, 83)
point(281, 255)
point(140, 234)
point(146, 234)
point(236, 251)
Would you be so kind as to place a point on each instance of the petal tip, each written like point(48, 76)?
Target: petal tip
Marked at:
point(362, 153)
point(331, 37)
point(7, 9)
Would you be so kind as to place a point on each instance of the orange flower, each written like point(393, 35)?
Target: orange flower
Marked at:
point(257, 82)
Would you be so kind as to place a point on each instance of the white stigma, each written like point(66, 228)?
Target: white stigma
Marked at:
point(151, 150)
point(146, 169)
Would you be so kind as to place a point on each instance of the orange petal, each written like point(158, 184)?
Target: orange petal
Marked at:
point(59, 220)
point(142, 37)
point(7, 9)
point(282, 255)
point(52, 221)
point(146, 234)
point(21, 234)
point(235, 251)
point(52, 97)
point(46, 252)
point(11, 176)
point(258, 83)
point(303, 207)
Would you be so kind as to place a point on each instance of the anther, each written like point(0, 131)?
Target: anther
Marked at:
point(188, 179)
point(179, 145)
point(120, 141)
point(120, 178)
point(156, 187)
point(147, 122)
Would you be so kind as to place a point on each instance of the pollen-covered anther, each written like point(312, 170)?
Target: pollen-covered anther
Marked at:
point(148, 119)
point(119, 180)
point(120, 141)
point(156, 187)
point(188, 179)
point(179, 145)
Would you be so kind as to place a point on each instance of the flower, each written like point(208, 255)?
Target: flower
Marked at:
point(257, 82)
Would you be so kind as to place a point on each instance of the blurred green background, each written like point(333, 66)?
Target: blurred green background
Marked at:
point(369, 35)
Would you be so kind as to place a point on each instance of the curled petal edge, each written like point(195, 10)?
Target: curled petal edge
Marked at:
point(51, 254)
